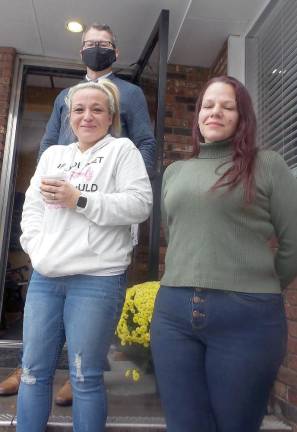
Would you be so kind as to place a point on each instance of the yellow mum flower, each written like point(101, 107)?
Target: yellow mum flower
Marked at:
point(135, 375)
point(134, 324)
point(135, 320)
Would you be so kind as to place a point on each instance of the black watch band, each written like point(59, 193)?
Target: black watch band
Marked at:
point(82, 202)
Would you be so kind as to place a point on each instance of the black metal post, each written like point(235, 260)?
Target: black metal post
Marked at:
point(159, 34)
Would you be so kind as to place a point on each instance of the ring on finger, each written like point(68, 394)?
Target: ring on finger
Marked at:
point(53, 195)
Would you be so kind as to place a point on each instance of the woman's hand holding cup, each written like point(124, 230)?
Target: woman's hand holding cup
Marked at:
point(55, 190)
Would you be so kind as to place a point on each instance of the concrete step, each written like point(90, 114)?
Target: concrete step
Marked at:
point(133, 406)
point(127, 424)
point(273, 424)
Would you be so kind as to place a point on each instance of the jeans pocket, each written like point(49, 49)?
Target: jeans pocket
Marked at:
point(255, 298)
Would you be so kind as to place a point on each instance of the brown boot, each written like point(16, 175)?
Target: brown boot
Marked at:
point(10, 385)
point(64, 395)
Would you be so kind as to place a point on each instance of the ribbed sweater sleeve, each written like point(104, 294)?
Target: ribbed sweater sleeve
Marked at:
point(170, 170)
point(164, 215)
point(284, 218)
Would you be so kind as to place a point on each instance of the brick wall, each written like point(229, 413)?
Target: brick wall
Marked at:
point(183, 87)
point(284, 397)
point(7, 57)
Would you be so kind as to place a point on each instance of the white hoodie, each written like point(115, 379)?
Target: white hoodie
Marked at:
point(94, 240)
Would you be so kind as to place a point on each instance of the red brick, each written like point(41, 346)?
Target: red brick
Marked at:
point(4, 91)
point(292, 328)
point(4, 81)
point(292, 345)
point(292, 395)
point(4, 111)
point(7, 56)
point(178, 109)
point(291, 312)
point(6, 73)
point(280, 390)
point(177, 122)
point(293, 285)
point(291, 297)
point(170, 99)
point(292, 362)
point(287, 376)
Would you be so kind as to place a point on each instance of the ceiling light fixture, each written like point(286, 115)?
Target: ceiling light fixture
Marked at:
point(74, 26)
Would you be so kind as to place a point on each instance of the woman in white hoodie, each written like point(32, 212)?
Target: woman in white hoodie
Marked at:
point(76, 222)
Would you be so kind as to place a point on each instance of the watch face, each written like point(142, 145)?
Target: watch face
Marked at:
point(81, 202)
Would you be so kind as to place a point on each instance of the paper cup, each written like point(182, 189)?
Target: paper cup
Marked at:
point(57, 176)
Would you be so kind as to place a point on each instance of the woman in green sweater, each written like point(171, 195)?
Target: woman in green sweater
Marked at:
point(219, 328)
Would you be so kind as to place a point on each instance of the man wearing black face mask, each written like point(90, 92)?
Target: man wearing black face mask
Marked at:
point(98, 53)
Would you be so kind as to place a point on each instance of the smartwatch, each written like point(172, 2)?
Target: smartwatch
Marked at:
point(82, 201)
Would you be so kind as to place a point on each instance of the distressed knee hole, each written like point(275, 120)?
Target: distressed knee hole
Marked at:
point(78, 362)
point(27, 377)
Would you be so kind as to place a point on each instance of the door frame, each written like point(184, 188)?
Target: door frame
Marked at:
point(8, 173)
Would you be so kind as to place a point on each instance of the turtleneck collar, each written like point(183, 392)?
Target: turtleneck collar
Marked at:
point(215, 150)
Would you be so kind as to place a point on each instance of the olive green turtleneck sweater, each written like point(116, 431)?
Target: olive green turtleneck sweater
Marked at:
point(214, 239)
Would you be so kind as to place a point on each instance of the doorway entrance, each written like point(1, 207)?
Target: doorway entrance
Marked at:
point(39, 88)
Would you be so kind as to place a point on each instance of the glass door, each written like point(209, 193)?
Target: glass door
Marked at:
point(37, 91)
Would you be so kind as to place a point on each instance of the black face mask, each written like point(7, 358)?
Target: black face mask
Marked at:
point(97, 58)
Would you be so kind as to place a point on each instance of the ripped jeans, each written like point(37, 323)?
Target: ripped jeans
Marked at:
point(83, 310)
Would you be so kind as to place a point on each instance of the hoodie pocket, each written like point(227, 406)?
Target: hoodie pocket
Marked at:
point(55, 217)
point(110, 240)
point(62, 253)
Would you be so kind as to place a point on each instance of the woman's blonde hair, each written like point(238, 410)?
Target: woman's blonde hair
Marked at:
point(113, 96)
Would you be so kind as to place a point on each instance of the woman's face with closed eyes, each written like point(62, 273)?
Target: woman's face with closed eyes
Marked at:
point(218, 116)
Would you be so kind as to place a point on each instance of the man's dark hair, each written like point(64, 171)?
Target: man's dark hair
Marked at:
point(100, 27)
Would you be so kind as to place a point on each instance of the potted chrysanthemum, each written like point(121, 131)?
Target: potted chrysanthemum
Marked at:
point(133, 328)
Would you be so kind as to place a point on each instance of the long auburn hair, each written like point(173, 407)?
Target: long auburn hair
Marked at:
point(244, 140)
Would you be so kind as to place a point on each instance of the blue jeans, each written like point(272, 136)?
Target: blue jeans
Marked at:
point(216, 356)
point(84, 310)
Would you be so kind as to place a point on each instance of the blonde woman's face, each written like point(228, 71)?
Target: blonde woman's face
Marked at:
point(90, 119)
point(218, 116)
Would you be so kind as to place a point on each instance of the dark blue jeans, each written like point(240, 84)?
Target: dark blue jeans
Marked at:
point(216, 356)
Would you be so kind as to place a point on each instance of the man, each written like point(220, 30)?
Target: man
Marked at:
point(98, 53)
